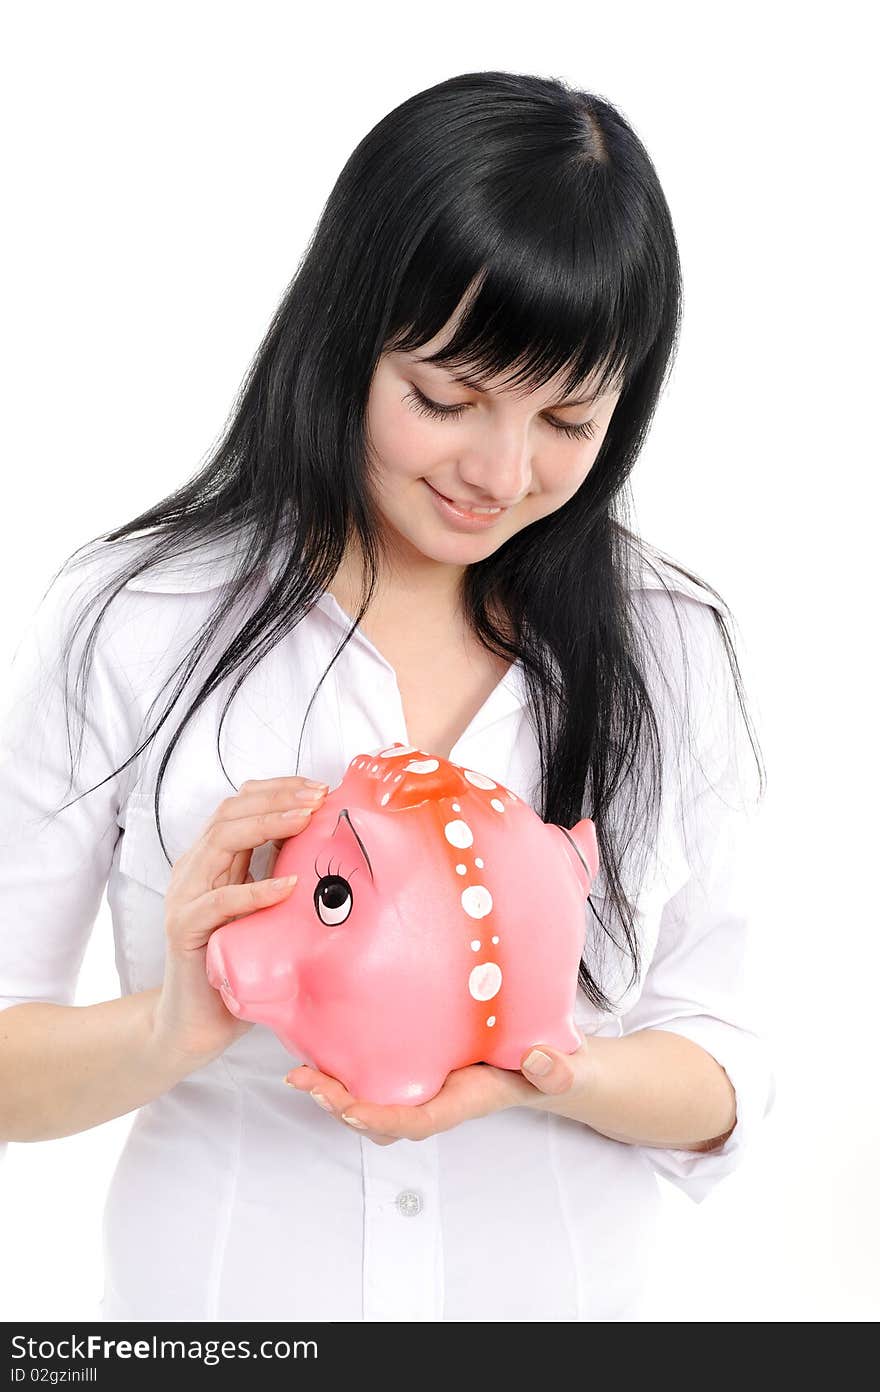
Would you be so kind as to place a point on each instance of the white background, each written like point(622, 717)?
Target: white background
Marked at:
point(164, 167)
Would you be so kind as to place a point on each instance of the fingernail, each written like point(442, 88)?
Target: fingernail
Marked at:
point(353, 1121)
point(308, 795)
point(538, 1063)
point(321, 1101)
point(313, 783)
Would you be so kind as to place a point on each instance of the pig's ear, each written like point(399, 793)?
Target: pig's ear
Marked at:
point(583, 851)
point(348, 832)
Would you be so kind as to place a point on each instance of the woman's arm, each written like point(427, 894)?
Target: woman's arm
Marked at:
point(65, 1068)
point(692, 1061)
point(650, 1088)
point(691, 1076)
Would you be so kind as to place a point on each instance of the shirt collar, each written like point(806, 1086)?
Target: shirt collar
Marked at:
point(213, 564)
point(510, 693)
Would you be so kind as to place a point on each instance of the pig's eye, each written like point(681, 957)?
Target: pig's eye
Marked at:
point(333, 899)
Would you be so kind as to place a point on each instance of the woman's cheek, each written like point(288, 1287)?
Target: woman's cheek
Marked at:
point(411, 448)
point(560, 480)
point(399, 440)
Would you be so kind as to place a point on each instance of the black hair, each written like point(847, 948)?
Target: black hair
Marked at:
point(536, 207)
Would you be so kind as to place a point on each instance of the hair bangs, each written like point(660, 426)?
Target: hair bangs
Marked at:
point(532, 304)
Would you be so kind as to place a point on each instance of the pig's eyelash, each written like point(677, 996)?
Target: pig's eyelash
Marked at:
point(343, 874)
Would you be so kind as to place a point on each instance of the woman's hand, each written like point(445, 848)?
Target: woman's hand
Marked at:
point(469, 1092)
point(211, 884)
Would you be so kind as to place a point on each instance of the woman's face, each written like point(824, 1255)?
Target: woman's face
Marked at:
point(525, 453)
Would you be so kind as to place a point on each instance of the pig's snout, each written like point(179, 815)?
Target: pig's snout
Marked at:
point(214, 962)
point(253, 971)
point(217, 975)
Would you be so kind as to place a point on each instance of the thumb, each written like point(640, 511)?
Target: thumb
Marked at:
point(547, 1069)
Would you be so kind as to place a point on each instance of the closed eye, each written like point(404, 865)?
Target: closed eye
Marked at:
point(423, 405)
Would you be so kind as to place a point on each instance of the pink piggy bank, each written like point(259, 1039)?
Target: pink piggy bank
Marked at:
point(436, 922)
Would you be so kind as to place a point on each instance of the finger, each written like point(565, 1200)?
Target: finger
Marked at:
point(194, 920)
point(548, 1070)
point(240, 867)
point(387, 1122)
point(307, 1079)
point(468, 1093)
point(333, 1097)
point(287, 784)
point(240, 870)
point(222, 851)
point(274, 795)
point(412, 1123)
point(212, 856)
point(258, 795)
point(482, 1088)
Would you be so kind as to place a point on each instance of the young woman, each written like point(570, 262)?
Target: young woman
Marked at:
point(412, 529)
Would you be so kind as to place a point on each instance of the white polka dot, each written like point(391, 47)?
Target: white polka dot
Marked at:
point(397, 751)
point(484, 981)
point(475, 945)
point(479, 780)
point(456, 807)
point(422, 766)
point(491, 1020)
point(495, 939)
point(461, 869)
point(497, 804)
point(458, 834)
point(476, 901)
point(384, 799)
point(479, 862)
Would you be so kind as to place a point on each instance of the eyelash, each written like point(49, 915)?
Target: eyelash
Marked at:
point(425, 407)
point(326, 874)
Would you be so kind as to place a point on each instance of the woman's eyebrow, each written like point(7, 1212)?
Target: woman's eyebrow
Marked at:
point(468, 382)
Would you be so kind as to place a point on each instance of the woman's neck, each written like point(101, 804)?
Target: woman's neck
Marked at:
point(430, 594)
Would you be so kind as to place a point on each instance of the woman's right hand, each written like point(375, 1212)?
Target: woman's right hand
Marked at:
point(210, 885)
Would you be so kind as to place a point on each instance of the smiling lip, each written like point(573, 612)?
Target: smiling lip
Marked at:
point(460, 517)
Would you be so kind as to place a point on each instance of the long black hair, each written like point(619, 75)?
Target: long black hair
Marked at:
point(537, 206)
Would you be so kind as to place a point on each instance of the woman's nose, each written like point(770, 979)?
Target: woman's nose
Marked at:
point(498, 474)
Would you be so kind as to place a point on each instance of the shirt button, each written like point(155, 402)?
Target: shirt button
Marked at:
point(409, 1202)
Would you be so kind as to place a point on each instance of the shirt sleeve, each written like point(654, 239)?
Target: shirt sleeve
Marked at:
point(55, 867)
point(697, 984)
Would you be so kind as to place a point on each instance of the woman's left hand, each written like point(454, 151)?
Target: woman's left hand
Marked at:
point(469, 1092)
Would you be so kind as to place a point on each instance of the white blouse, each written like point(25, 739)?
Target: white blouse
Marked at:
point(238, 1198)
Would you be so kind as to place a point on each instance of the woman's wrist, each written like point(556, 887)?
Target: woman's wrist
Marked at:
point(174, 1054)
point(652, 1087)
